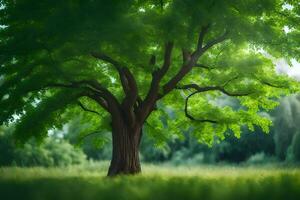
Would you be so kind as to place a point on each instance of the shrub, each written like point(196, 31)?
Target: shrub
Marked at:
point(52, 152)
point(260, 158)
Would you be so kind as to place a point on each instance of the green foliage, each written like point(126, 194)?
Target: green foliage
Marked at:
point(39, 118)
point(53, 152)
point(96, 144)
point(152, 151)
point(46, 47)
point(253, 147)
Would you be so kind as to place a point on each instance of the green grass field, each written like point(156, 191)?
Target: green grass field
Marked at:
point(156, 183)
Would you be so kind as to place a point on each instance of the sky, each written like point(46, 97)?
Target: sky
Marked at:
point(283, 67)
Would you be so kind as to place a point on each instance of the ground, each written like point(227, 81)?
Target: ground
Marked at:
point(158, 182)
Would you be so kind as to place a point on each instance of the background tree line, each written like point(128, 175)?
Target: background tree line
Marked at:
point(67, 147)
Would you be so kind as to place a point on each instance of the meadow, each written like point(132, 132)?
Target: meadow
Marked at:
point(157, 182)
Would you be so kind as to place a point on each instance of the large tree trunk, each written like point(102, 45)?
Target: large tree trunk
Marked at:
point(125, 154)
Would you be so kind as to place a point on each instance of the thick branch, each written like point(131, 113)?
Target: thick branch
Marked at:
point(129, 86)
point(133, 92)
point(187, 66)
point(189, 61)
point(108, 59)
point(127, 80)
point(157, 76)
point(171, 84)
point(118, 67)
point(100, 92)
point(101, 101)
point(93, 90)
point(105, 94)
point(167, 61)
point(130, 98)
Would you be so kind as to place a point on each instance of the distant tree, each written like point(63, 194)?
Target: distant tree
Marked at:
point(286, 118)
point(239, 150)
point(120, 60)
point(53, 152)
point(296, 147)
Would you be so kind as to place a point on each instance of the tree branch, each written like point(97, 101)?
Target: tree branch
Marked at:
point(86, 109)
point(104, 93)
point(189, 61)
point(204, 30)
point(157, 76)
point(118, 67)
point(203, 66)
point(211, 88)
point(127, 80)
point(100, 94)
point(107, 59)
point(270, 84)
point(95, 91)
point(228, 81)
point(87, 135)
point(215, 41)
point(187, 66)
point(132, 94)
point(171, 84)
point(74, 84)
point(190, 116)
point(204, 89)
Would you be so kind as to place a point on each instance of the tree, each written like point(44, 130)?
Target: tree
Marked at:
point(135, 63)
point(286, 125)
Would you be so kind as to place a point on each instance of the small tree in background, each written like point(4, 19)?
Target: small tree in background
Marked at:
point(124, 61)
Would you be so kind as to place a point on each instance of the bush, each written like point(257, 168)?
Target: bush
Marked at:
point(52, 152)
point(260, 158)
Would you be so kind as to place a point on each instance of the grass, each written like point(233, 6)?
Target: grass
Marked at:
point(158, 182)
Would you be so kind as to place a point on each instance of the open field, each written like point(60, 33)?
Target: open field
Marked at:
point(156, 182)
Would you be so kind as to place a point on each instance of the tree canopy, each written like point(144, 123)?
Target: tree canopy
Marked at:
point(181, 59)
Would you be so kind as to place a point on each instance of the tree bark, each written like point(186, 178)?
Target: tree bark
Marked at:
point(125, 154)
